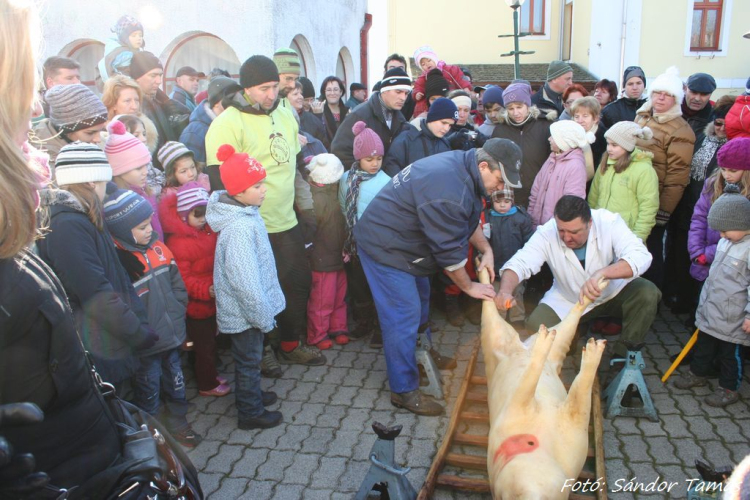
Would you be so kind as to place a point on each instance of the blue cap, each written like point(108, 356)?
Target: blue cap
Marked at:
point(493, 95)
point(442, 108)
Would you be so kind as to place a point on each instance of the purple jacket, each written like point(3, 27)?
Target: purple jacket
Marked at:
point(701, 238)
point(561, 174)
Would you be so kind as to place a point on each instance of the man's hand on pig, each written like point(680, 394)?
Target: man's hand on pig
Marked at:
point(590, 288)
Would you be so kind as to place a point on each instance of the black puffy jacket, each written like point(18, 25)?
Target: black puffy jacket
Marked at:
point(412, 145)
point(622, 110)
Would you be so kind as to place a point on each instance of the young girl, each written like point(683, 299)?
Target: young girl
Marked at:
point(111, 318)
point(157, 282)
point(136, 125)
point(563, 173)
point(357, 188)
point(428, 60)
point(326, 308)
point(180, 168)
point(722, 316)
point(130, 161)
point(193, 243)
point(702, 240)
point(625, 182)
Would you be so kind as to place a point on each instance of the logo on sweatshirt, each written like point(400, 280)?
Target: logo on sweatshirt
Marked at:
point(280, 150)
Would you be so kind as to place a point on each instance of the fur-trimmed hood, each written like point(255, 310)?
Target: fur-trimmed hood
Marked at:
point(534, 114)
point(52, 197)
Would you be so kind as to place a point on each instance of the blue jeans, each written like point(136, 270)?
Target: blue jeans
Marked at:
point(161, 375)
point(403, 304)
point(247, 351)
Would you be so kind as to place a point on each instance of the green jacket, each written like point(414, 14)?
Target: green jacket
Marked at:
point(269, 137)
point(633, 193)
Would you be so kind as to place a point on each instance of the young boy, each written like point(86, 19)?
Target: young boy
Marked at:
point(492, 102)
point(508, 228)
point(158, 283)
point(723, 315)
point(248, 294)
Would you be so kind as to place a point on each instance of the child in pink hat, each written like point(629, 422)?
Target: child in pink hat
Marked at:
point(427, 60)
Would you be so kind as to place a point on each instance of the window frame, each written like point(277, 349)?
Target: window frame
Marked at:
point(705, 6)
point(530, 4)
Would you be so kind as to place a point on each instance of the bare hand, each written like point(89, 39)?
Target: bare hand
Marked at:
point(211, 292)
point(746, 326)
point(302, 140)
point(505, 301)
point(419, 96)
point(480, 291)
point(317, 107)
point(488, 262)
point(590, 288)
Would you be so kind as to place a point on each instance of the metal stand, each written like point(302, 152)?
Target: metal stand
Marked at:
point(630, 376)
point(434, 387)
point(384, 475)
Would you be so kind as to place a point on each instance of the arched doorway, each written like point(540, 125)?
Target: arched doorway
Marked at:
point(302, 47)
point(345, 67)
point(87, 53)
point(203, 51)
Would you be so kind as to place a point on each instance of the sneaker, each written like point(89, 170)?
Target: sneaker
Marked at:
point(722, 397)
point(266, 420)
point(688, 380)
point(324, 344)
point(442, 362)
point(222, 380)
point(417, 403)
point(452, 310)
point(269, 367)
point(268, 397)
point(187, 438)
point(611, 328)
point(376, 341)
point(302, 355)
point(340, 338)
point(218, 391)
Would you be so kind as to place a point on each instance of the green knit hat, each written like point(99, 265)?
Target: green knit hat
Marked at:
point(287, 61)
point(557, 68)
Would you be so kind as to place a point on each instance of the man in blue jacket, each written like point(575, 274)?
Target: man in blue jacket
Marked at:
point(420, 223)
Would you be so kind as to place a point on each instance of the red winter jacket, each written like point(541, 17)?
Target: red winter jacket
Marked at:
point(193, 251)
point(455, 78)
point(738, 118)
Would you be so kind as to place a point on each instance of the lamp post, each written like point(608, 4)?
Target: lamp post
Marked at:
point(515, 4)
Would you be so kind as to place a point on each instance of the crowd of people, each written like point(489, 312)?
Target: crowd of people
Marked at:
point(261, 211)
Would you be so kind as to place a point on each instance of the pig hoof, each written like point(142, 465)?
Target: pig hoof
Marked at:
point(592, 352)
point(544, 340)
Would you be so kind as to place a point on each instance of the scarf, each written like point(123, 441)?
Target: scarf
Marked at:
point(702, 158)
point(356, 177)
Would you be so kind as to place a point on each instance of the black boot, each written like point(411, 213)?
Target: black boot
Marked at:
point(453, 311)
point(364, 315)
point(266, 420)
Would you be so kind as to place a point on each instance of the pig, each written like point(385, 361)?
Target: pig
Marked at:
point(538, 431)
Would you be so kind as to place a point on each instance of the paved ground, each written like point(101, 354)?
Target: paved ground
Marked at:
point(321, 449)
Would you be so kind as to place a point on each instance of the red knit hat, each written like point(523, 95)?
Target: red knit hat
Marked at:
point(238, 171)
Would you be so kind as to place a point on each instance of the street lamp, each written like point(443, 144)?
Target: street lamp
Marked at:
point(515, 4)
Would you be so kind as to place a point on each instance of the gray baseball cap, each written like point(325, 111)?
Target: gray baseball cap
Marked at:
point(509, 156)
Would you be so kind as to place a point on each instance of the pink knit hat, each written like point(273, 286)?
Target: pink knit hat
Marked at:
point(124, 151)
point(366, 142)
point(189, 196)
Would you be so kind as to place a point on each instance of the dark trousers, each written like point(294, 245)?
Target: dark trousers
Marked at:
point(655, 245)
point(203, 334)
point(709, 350)
point(161, 375)
point(359, 289)
point(295, 278)
point(247, 351)
point(677, 279)
point(636, 305)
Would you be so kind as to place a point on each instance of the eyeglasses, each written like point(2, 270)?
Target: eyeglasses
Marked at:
point(659, 93)
point(718, 123)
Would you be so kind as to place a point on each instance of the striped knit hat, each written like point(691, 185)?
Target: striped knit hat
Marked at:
point(81, 162)
point(124, 151)
point(287, 61)
point(124, 210)
point(74, 107)
point(170, 152)
point(189, 196)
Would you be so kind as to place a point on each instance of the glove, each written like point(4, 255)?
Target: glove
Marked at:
point(458, 139)
point(309, 226)
point(701, 260)
point(149, 341)
point(662, 218)
point(17, 476)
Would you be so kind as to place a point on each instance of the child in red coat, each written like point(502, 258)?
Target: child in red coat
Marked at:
point(193, 244)
point(426, 58)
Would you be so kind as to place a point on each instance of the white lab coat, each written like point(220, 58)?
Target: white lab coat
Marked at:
point(610, 240)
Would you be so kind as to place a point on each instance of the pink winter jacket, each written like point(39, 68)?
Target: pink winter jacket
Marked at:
point(455, 78)
point(562, 173)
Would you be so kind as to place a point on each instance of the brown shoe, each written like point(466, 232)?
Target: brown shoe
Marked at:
point(442, 362)
point(417, 403)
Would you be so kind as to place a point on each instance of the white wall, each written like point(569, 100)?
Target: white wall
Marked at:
point(605, 47)
point(250, 27)
point(378, 40)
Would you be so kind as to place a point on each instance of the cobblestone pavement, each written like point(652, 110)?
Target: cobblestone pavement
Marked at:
point(321, 449)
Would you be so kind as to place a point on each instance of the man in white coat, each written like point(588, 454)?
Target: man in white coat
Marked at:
point(581, 246)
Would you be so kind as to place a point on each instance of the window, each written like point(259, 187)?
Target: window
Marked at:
point(706, 27)
point(532, 17)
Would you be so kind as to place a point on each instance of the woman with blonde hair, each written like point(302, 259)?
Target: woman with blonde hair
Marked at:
point(123, 96)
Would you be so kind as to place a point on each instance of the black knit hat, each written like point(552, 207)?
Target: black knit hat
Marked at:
point(142, 63)
point(258, 70)
point(308, 89)
point(435, 84)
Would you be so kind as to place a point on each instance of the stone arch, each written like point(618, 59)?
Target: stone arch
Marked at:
point(201, 50)
point(87, 52)
point(345, 67)
point(302, 47)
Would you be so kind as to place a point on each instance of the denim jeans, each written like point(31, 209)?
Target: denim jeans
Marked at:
point(161, 374)
point(247, 351)
point(403, 304)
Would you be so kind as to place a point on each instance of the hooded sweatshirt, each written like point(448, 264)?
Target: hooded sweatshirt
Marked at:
point(248, 294)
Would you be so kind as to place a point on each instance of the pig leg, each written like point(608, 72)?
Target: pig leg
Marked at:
point(526, 389)
point(577, 405)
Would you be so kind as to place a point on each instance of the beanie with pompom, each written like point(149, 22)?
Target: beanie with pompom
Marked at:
point(626, 134)
point(325, 168)
point(731, 211)
point(669, 82)
point(568, 135)
point(366, 142)
point(238, 171)
point(124, 151)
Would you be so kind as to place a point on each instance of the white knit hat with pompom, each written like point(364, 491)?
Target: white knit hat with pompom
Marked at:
point(325, 169)
point(669, 82)
point(567, 134)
